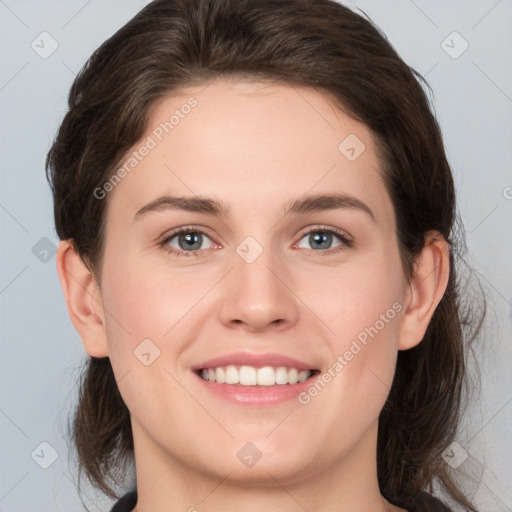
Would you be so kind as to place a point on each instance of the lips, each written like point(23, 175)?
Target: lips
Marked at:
point(254, 360)
point(247, 369)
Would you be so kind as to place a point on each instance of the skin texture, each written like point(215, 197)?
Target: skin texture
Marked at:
point(254, 147)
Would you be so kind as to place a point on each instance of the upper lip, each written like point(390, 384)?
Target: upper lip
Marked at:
point(255, 360)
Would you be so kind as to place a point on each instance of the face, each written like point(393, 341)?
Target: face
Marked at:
point(253, 240)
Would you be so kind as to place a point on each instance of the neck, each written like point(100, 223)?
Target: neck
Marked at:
point(167, 484)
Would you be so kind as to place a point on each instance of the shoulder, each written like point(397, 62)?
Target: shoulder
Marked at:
point(126, 503)
point(422, 502)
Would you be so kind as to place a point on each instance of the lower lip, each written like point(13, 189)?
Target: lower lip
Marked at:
point(254, 395)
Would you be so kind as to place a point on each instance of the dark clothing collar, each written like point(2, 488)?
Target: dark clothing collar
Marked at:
point(422, 503)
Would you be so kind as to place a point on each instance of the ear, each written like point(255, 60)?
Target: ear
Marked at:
point(427, 287)
point(83, 299)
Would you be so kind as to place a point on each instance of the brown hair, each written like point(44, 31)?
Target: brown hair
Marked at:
point(172, 44)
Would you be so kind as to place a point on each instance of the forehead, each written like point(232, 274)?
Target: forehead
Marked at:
point(253, 144)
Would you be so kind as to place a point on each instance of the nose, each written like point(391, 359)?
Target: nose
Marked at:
point(258, 296)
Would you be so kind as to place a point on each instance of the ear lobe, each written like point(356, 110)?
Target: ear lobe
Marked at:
point(427, 287)
point(83, 299)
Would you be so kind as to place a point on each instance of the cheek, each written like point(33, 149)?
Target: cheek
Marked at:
point(149, 302)
point(363, 308)
point(361, 301)
point(352, 389)
point(151, 321)
point(145, 312)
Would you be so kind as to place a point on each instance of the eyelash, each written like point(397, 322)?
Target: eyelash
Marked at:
point(341, 235)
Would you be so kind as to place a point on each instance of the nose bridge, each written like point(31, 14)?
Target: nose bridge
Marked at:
point(256, 294)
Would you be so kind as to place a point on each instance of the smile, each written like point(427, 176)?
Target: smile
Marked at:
point(253, 376)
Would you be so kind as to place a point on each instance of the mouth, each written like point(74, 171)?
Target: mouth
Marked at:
point(265, 376)
point(259, 379)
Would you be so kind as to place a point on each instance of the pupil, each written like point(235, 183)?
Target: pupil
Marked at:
point(319, 238)
point(192, 240)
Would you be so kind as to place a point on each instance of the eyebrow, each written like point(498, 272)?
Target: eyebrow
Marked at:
point(307, 204)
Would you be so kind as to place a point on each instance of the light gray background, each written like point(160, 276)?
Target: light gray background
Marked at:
point(40, 351)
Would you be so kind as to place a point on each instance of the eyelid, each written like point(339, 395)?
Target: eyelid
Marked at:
point(327, 229)
point(346, 240)
point(192, 228)
point(189, 227)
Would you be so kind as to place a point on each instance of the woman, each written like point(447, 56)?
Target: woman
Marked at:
point(256, 214)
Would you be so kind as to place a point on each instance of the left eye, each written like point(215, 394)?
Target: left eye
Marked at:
point(324, 239)
point(187, 241)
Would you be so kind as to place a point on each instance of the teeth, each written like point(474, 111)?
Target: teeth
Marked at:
point(266, 376)
point(281, 375)
point(247, 376)
point(220, 375)
point(250, 376)
point(303, 375)
point(232, 375)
